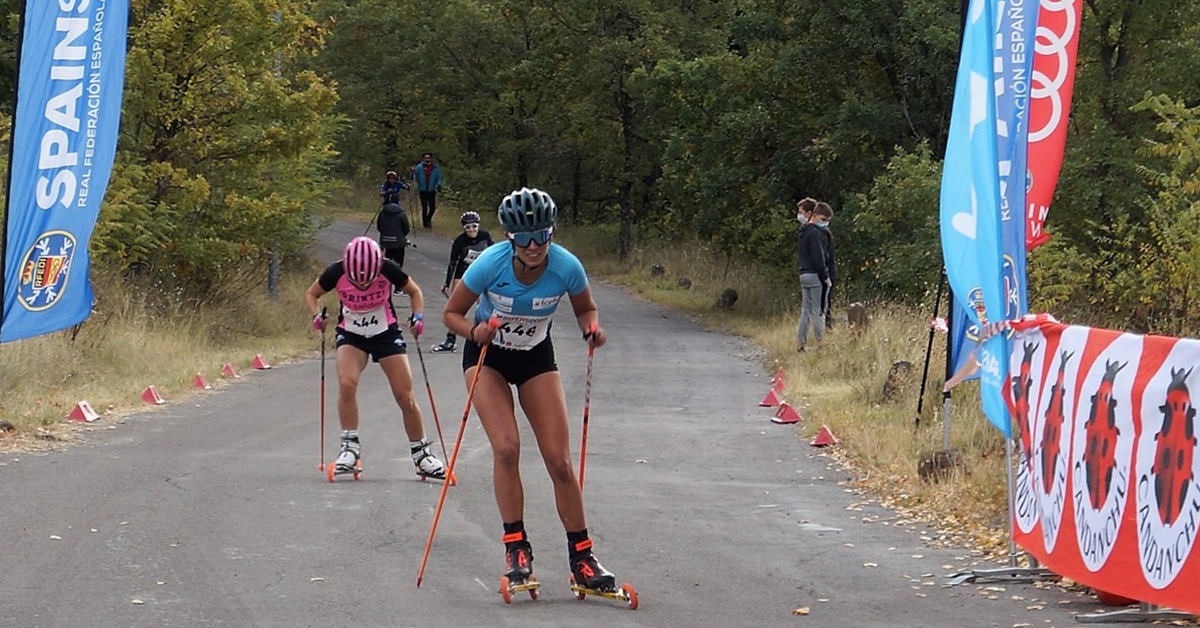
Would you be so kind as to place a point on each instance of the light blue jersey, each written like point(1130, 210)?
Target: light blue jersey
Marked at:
point(524, 310)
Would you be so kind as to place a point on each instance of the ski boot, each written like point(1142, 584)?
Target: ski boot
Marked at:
point(589, 577)
point(428, 466)
point(348, 461)
point(445, 347)
point(518, 556)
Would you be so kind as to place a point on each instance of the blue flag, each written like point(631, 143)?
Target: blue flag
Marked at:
point(64, 138)
point(1013, 63)
point(970, 203)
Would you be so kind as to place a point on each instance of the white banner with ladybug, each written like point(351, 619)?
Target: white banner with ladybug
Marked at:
point(1106, 490)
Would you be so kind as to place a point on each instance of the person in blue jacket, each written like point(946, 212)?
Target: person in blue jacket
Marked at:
point(521, 281)
point(428, 177)
point(389, 191)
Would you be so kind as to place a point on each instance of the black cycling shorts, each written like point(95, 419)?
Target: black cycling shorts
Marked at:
point(516, 367)
point(387, 344)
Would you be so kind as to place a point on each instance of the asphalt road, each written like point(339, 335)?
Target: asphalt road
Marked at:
point(211, 511)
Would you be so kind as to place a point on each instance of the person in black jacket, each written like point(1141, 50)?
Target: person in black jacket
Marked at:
point(814, 273)
point(465, 248)
point(393, 227)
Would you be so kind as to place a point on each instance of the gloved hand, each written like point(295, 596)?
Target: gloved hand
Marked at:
point(318, 321)
point(417, 323)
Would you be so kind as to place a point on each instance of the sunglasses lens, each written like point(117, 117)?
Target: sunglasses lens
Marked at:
point(522, 240)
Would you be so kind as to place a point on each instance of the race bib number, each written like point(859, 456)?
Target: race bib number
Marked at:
point(367, 323)
point(471, 255)
point(521, 332)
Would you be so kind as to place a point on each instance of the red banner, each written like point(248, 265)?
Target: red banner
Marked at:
point(1106, 490)
point(1053, 81)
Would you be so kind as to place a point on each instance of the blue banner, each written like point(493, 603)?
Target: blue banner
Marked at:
point(1013, 62)
point(970, 203)
point(64, 137)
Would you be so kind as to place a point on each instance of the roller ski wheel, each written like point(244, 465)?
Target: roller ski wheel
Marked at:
point(431, 476)
point(508, 587)
point(626, 593)
point(332, 471)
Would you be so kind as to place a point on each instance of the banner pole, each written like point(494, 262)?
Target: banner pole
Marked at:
point(946, 405)
point(1012, 504)
point(11, 150)
point(937, 303)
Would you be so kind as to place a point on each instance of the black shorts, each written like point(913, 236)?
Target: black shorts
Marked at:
point(516, 367)
point(387, 344)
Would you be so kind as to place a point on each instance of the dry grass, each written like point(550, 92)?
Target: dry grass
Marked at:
point(128, 344)
point(840, 383)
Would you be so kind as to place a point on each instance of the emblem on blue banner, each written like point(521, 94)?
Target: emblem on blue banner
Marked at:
point(45, 270)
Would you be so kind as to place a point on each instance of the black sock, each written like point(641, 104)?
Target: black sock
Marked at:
point(450, 339)
point(578, 544)
point(514, 533)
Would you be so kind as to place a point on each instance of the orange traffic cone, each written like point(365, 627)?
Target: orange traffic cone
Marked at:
point(227, 371)
point(786, 414)
point(259, 363)
point(824, 438)
point(150, 395)
point(771, 400)
point(83, 412)
point(198, 382)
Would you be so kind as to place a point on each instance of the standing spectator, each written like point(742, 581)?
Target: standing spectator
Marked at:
point(831, 268)
point(429, 182)
point(389, 192)
point(814, 274)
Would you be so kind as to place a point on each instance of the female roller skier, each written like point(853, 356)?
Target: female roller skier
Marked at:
point(367, 327)
point(521, 281)
point(465, 248)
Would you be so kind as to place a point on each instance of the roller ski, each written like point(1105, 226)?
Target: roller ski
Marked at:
point(427, 465)
point(348, 461)
point(589, 577)
point(519, 575)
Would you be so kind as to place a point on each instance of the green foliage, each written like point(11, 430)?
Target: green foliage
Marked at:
point(224, 145)
point(897, 236)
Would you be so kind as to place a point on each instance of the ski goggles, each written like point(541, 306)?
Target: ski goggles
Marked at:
point(539, 237)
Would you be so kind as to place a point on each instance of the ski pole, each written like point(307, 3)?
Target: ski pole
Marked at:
point(587, 404)
point(321, 466)
point(437, 422)
point(492, 323)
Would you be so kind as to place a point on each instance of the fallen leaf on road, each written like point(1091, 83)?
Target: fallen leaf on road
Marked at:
point(800, 611)
point(870, 564)
point(316, 579)
point(55, 537)
point(138, 602)
point(822, 599)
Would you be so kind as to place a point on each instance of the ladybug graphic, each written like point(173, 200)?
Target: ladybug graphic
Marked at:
point(1052, 429)
point(1099, 456)
point(1021, 384)
point(1176, 444)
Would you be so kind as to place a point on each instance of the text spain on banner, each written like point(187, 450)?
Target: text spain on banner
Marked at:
point(970, 203)
point(1053, 76)
point(64, 137)
point(1106, 491)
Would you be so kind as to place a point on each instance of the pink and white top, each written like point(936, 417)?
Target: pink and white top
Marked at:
point(366, 312)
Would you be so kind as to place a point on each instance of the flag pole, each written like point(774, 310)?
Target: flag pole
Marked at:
point(8, 175)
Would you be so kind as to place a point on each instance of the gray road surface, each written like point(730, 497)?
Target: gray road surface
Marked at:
point(211, 511)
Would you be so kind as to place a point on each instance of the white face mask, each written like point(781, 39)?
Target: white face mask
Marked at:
point(802, 219)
